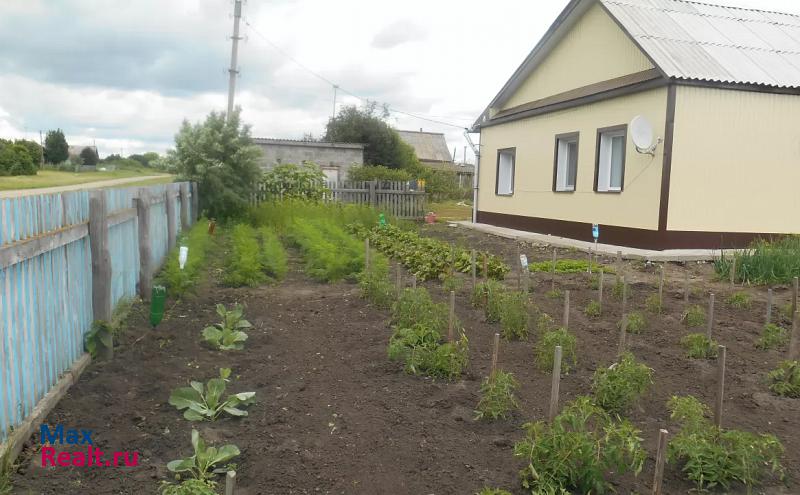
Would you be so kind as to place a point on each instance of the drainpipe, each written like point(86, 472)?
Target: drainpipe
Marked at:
point(477, 151)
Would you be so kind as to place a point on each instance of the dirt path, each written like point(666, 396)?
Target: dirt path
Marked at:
point(17, 193)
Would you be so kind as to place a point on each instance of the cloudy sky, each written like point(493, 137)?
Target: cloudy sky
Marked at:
point(126, 73)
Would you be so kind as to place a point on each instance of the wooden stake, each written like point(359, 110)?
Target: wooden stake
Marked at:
point(485, 267)
point(495, 352)
point(793, 340)
point(590, 261)
point(661, 457)
point(451, 321)
point(366, 254)
point(519, 268)
point(230, 483)
point(710, 326)
point(619, 265)
point(624, 296)
point(399, 279)
point(720, 386)
point(474, 265)
point(566, 309)
point(686, 287)
point(556, 381)
point(600, 290)
point(413, 281)
point(733, 271)
point(769, 306)
point(623, 330)
point(661, 289)
point(553, 272)
point(794, 294)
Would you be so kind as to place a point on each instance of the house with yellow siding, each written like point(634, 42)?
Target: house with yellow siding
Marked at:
point(718, 86)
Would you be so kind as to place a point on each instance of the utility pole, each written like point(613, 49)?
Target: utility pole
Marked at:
point(335, 89)
point(41, 144)
point(234, 71)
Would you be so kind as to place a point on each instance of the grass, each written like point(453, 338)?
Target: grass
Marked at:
point(694, 316)
point(179, 282)
point(739, 300)
point(592, 309)
point(636, 322)
point(55, 178)
point(699, 346)
point(772, 337)
point(451, 211)
point(764, 263)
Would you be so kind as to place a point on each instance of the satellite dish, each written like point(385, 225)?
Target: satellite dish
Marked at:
point(643, 136)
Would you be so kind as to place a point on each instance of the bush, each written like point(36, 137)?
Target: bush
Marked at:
point(576, 451)
point(694, 316)
point(785, 380)
point(619, 386)
point(699, 346)
point(513, 307)
point(244, 262)
point(15, 159)
point(420, 347)
point(180, 282)
point(766, 262)
point(653, 304)
point(739, 300)
point(592, 309)
point(636, 322)
point(772, 337)
point(713, 457)
point(375, 285)
point(497, 396)
point(290, 181)
point(440, 185)
point(379, 173)
point(546, 348)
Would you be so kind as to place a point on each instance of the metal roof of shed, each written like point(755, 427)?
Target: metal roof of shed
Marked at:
point(697, 41)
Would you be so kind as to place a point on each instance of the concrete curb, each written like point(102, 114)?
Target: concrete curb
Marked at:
point(23, 431)
point(676, 255)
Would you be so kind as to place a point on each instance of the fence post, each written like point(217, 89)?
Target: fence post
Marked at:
point(145, 260)
point(373, 198)
point(720, 386)
point(172, 229)
point(553, 412)
point(195, 201)
point(184, 189)
point(661, 457)
point(101, 261)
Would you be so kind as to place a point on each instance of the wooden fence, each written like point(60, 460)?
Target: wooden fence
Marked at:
point(68, 259)
point(394, 198)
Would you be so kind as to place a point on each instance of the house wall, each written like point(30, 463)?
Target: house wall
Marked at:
point(534, 139)
point(594, 50)
point(326, 157)
point(739, 153)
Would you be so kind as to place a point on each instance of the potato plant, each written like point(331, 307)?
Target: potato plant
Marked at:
point(712, 457)
point(497, 396)
point(785, 380)
point(772, 337)
point(545, 350)
point(699, 346)
point(228, 334)
point(619, 386)
point(576, 452)
point(205, 402)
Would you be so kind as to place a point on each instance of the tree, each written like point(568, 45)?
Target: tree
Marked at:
point(15, 159)
point(367, 125)
point(56, 149)
point(89, 156)
point(34, 150)
point(306, 181)
point(219, 155)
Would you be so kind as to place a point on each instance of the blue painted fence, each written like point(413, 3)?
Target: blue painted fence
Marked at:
point(46, 282)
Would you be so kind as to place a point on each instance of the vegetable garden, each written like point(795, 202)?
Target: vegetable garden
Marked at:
point(313, 349)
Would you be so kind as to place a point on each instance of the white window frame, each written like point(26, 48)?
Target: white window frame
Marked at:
point(506, 164)
point(605, 150)
point(561, 175)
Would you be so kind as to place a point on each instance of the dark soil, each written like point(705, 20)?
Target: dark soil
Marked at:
point(335, 416)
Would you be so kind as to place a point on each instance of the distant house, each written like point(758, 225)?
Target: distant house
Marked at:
point(715, 90)
point(334, 158)
point(75, 152)
point(431, 149)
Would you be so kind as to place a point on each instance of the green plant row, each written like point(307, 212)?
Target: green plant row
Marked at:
point(568, 266)
point(256, 256)
point(766, 262)
point(425, 257)
point(179, 282)
point(330, 254)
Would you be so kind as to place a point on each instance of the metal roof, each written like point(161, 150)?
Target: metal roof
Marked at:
point(697, 41)
point(313, 144)
point(429, 146)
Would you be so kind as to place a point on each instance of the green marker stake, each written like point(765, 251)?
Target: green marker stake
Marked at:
point(157, 301)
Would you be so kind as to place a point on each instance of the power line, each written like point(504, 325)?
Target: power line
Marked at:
point(343, 90)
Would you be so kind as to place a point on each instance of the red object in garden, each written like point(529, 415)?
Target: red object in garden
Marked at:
point(430, 217)
point(212, 225)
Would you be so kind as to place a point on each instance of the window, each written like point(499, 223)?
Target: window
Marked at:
point(610, 170)
point(505, 172)
point(565, 166)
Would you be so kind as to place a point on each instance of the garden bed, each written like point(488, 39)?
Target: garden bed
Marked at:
point(334, 415)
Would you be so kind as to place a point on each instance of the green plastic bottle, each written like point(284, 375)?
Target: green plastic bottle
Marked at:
point(382, 220)
point(157, 300)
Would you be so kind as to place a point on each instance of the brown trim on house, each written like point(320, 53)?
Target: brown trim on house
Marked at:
point(600, 132)
point(754, 88)
point(634, 83)
point(666, 172)
point(569, 135)
point(625, 236)
point(513, 153)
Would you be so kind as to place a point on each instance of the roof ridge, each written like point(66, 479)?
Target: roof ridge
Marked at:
point(708, 43)
point(694, 2)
